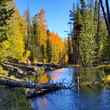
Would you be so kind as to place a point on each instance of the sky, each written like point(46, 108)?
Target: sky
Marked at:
point(57, 12)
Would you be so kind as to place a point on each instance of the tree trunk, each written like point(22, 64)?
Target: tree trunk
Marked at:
point(108, 11)
point(105, 16)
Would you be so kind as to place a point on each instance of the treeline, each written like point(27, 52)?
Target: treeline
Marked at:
point(48, 47)
point(27, 39)
point(88, 41)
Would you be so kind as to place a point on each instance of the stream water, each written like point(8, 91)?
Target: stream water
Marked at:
point(83, 99)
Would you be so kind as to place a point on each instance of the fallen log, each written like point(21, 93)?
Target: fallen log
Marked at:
point(21, 65)
point(35, 93)
point(30, 85)
point(32, 66)
point(13, 68)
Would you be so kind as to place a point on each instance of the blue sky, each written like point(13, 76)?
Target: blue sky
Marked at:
point(57, 12)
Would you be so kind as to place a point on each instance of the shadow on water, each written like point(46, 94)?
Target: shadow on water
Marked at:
point(96, 98)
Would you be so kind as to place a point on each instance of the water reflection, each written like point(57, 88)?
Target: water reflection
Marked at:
point(91, 75)
point(64, 76)
point(96, 98)
point(70, 100)
point(60, 100)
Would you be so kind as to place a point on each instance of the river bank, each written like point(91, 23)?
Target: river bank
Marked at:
point(15, 99)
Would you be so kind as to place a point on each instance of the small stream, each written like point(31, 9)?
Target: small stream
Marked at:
point(83, 99)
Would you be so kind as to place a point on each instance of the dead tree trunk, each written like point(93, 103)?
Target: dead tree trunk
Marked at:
point(108, 11)
point(106, 16)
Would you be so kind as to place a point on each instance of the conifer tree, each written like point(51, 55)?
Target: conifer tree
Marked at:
point(41, 34)
point(6, 12)
point(49, 48)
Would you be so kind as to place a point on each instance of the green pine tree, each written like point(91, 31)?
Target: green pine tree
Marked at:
point(6, 12)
